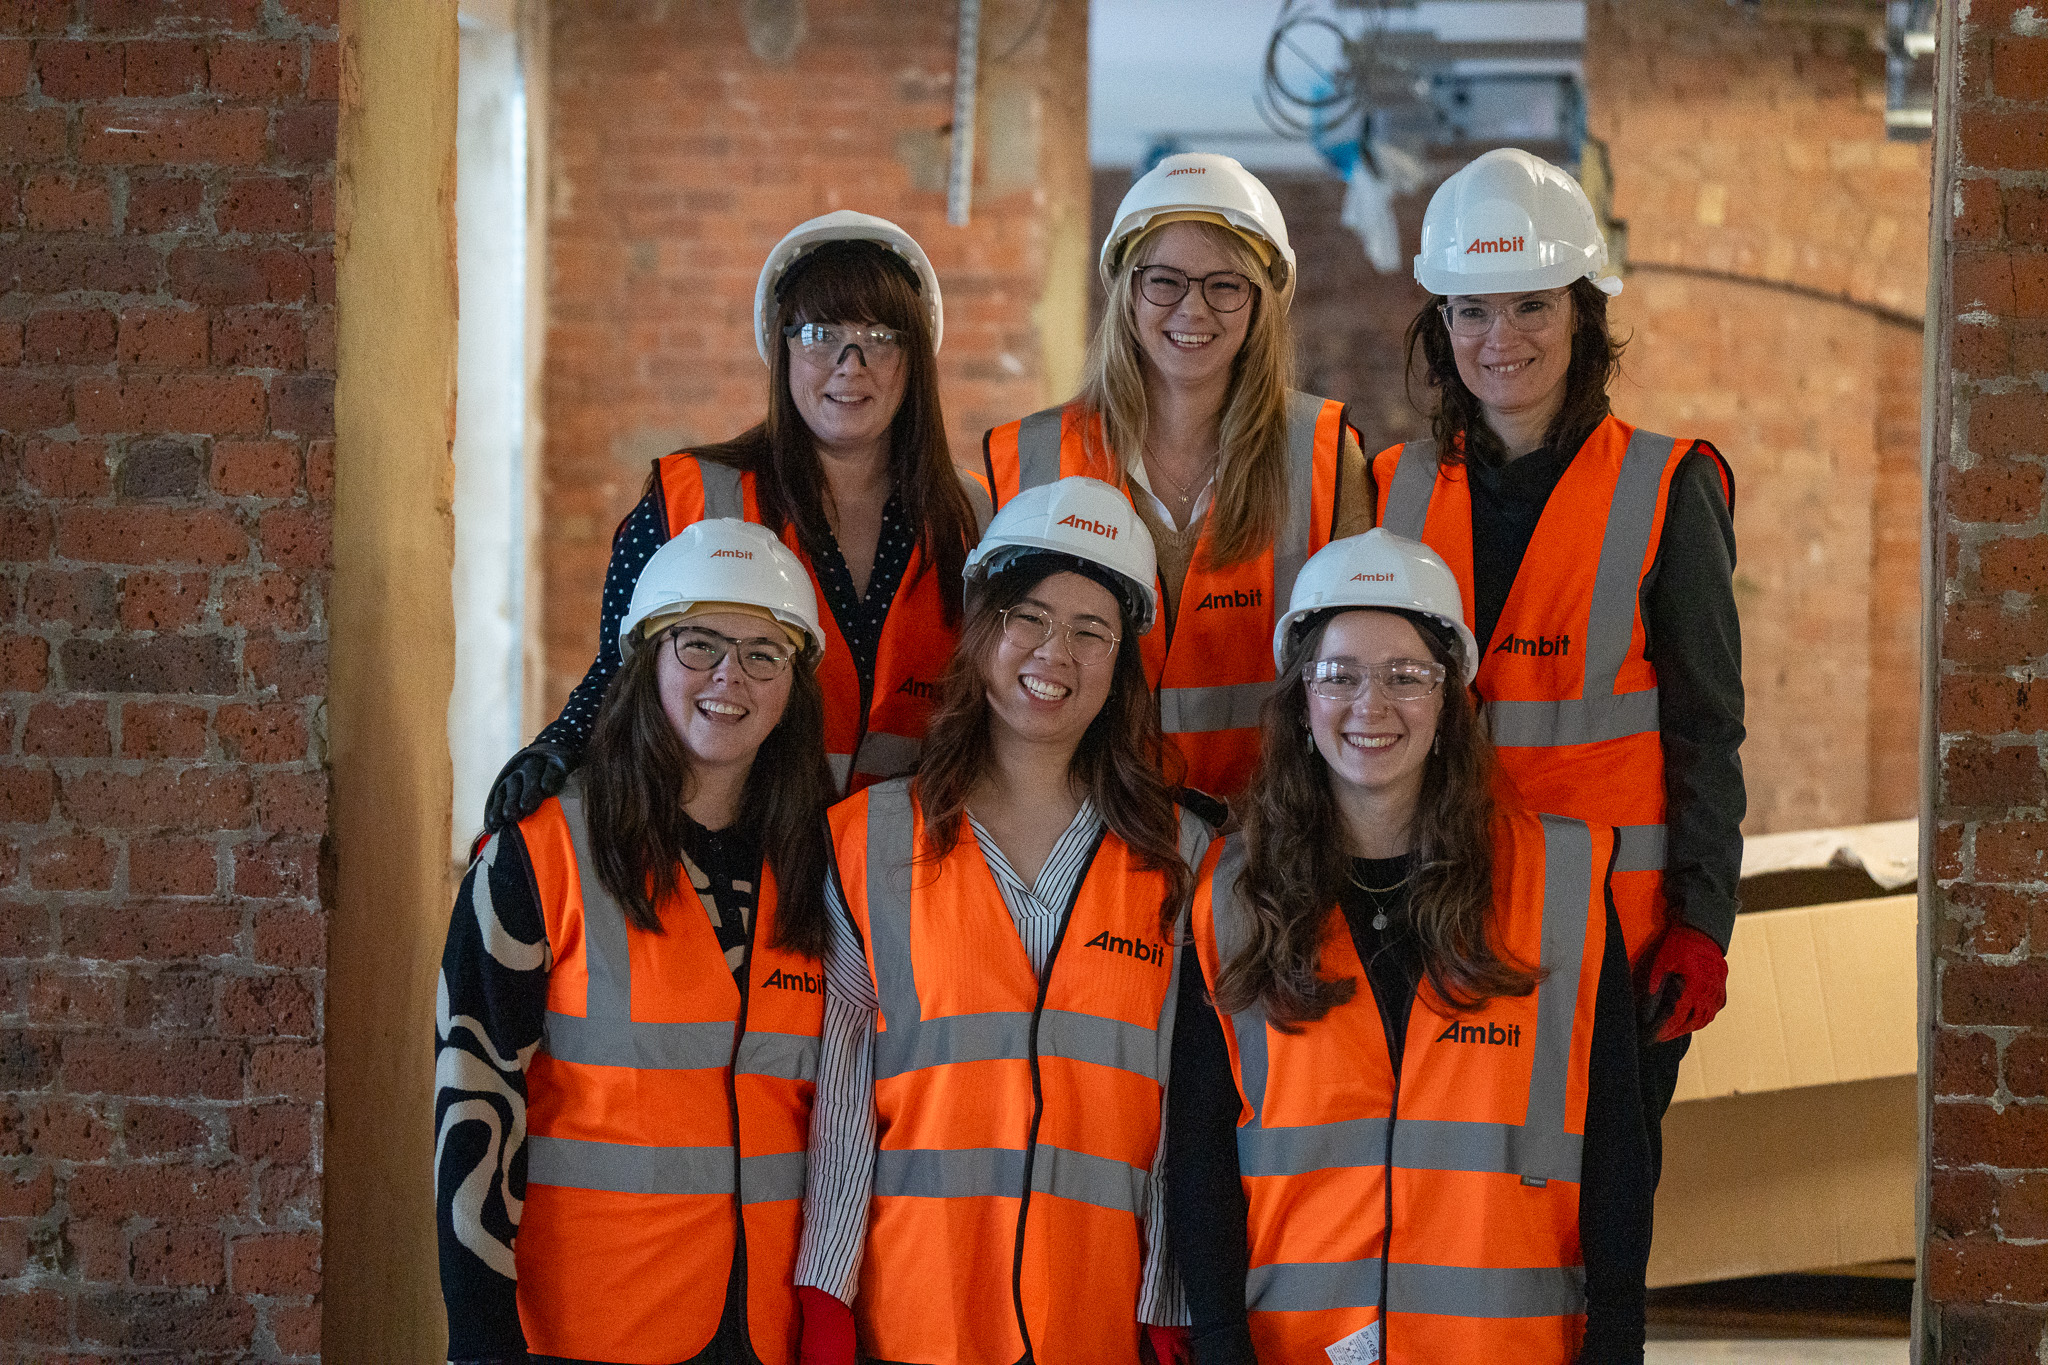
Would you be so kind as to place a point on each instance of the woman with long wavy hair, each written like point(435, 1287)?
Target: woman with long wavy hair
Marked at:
point(850, 467)
point(1597, 564)
point(1404, 1121)
point(1187, 406)
point(1000, 986)
point(631, 995)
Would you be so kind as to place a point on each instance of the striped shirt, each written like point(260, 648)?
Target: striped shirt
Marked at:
point(842, 1152)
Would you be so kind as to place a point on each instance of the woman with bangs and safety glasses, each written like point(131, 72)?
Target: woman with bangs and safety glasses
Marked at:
point(1000, 986)
point(1596, 562)
point(850, 468)
point(1187, 408)
point(631, 996)
point(1410, 1126)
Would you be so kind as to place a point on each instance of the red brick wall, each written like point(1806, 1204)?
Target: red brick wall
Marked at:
point(1986, 1257)
point(678, 158)
point(166, 359)
point(1777, 250)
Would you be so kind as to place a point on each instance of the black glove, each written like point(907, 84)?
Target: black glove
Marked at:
point(533, 775)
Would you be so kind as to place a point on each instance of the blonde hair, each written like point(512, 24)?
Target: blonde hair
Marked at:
point(1251, 476)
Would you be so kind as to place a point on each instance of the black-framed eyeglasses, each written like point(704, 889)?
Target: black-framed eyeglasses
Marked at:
point(1226, 291)
point(826, 342)
point(701, 650)
point(1088, 642)
point(1341, 680)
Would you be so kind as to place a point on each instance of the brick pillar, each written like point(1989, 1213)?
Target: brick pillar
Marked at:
point(1985, 1260)
point(679, 158)
point(166, 359)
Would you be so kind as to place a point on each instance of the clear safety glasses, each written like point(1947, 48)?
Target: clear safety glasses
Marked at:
point(1226, 291)
point(701, 650)
point(1531, 313)
point(826, 343)
point(1088, 642)
point(1341, 680)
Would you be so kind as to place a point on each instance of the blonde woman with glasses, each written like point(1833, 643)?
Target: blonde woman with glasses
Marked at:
point(1187, 408)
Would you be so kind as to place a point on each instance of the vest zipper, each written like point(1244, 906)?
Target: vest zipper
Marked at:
point(743, 1326)
point(1038, 1097)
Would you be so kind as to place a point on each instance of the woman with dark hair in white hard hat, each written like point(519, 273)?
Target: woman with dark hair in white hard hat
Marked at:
point(1409, 1129)
point(1596, 562)
point(632, 994)
point(1000, 988)
point(1187, 407)
point(850, 468)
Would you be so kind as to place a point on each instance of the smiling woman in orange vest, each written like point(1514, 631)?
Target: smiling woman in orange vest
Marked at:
point(1187, 407)
point(1596, 564)
point(1409, 1129)
point(999, 1012)
point(632, 993)
point(851, 468)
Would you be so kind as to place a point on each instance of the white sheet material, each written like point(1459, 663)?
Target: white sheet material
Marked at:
point(1889, 852)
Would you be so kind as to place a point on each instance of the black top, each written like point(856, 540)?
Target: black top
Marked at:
point(1694, 640)
point(1205, 1203)
point(646, 529)
point(724, 866)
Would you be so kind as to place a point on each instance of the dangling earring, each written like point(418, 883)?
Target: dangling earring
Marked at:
point(1308, 740)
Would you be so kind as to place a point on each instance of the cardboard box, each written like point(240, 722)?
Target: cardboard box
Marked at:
point(1793, 1142)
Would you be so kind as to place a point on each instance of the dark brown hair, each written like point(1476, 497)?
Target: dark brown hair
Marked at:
point(858, 281)
point(1117, 762)
point(637, 772)
point(1456, 419)
point(1297, 863)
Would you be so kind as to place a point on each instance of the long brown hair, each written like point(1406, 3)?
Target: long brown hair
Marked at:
point(858, 281)
point(637, 772)
point(1117, 762)
point(1459, 423)
point(1251, 475)
point(1297, 863)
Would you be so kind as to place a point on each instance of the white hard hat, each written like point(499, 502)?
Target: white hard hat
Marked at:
point(1509, 223)
point(842, 225)
point(723, 559)
point(1077, 516)
point(1201, 182)
point(1378, 569)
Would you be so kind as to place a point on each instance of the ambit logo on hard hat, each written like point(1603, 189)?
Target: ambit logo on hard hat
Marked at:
point(732, 554)
point(1100, 528)
point(1188, 170)
point(1496, 244)
point(1372, 578)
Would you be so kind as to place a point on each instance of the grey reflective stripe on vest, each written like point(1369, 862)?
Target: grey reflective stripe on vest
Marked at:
point(608, 1035)
point(1538, 1146)
point(625, 1169)
point(886, 755)
point(1200, 710)
point(1600, 713)
point(722, 493)
point(1038, 449)
point(998, 1173)
point(785, 1056)
point(1409, 491)
point(910, 1042)
point(1445, 1290)
point(1235, 706)
point(1639, 848)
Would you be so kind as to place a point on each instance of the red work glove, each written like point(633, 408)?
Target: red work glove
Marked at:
point(1689, 969)
point(828, 1329)
point(1170, 1345)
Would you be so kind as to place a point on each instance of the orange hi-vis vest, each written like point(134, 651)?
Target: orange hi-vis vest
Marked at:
point(1569, 692)
point(1017, 1119)
point(1472, 1153)
point(667, 1115)
point(1218, 670)
point(916, 641)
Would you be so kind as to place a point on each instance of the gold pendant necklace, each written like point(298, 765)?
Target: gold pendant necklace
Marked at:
point(1379, 908)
